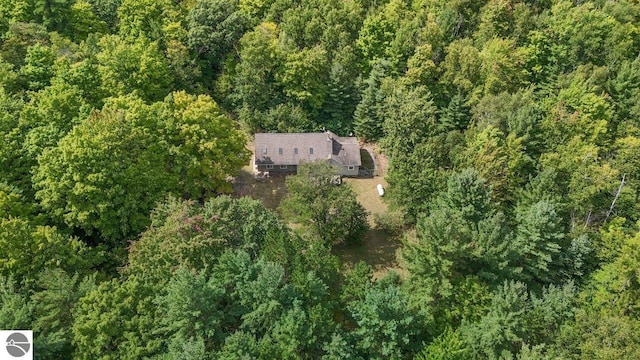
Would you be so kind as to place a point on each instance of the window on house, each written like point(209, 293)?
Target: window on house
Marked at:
point(295, 151)
point(351, 167)
point(280, 151)
point(283, 166)
point(264, 151)
point(311, 151)
point(269, 167)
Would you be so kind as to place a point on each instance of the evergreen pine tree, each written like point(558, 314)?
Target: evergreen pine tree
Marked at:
point(367, 117)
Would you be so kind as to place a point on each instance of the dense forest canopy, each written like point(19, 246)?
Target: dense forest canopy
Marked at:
point(512, 129)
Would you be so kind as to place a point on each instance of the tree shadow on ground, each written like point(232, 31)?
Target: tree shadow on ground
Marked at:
point(270, 191)
point(378, 250)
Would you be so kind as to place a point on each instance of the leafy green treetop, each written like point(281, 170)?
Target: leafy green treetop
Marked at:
point(330, 212)
point(109, 171)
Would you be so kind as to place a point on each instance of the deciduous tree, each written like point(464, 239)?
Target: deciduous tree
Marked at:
point(330, 212)
point(133, 65)
point(215, 27)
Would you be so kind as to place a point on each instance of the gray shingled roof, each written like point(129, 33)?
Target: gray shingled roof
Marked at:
point(291, 148)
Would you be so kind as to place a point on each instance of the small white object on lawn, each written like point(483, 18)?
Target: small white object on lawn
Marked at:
point(380, 190)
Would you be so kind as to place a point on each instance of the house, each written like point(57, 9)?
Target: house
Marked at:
point(280, 153)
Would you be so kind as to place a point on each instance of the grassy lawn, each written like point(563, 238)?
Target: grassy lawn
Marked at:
point(378, 249)
point(367, 194)
point(271, 191)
